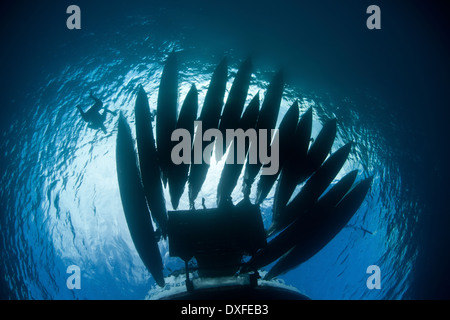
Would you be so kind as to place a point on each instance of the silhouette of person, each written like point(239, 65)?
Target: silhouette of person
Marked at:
point(92, 116)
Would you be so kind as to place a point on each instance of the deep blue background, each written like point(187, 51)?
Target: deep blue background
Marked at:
point(406, 63)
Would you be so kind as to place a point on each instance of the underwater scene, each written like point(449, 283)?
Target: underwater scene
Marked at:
point(224, 149)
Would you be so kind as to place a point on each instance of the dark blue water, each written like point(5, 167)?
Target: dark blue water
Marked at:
point(60, 202)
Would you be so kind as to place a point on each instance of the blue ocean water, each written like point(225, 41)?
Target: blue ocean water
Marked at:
point(60, 202)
